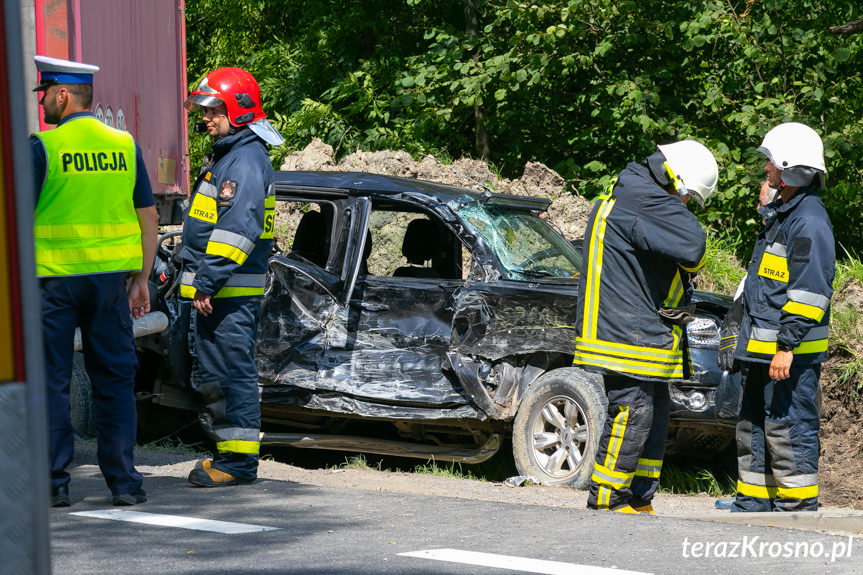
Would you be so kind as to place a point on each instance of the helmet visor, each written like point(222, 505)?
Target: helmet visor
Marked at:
point(195, 101)
point(766, 152)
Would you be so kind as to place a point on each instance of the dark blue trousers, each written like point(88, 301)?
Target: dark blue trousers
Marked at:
point(227, 377)
point(777, 440)
point(99, 305)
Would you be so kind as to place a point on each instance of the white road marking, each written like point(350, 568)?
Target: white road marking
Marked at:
point(523, 564)
point(175, 521)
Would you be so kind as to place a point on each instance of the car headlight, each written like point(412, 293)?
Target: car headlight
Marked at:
point(703, 332)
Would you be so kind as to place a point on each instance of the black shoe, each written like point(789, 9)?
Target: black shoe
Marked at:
point(126, 499)
point(60, 496)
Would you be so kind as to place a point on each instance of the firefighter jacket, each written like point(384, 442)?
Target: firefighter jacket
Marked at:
point(789, 283)
point(85, 220)
point(228, 228)
point(640, 246)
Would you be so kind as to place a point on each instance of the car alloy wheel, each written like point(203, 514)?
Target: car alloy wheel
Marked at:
point(557, 427)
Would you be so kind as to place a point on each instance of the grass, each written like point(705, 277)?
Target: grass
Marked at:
point(449, 469)
point(696, 481)
point(172, 444)
point(358, 461)
point(722, 271)
point(480, 472)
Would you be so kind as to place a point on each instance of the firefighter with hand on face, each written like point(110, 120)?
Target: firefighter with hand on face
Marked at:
point(783, 317)
point(95, 231)
point(641, 246)
point(227, 238)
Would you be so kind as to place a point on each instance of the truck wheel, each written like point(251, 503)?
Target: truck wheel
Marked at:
point(557, 427)
point(81, 400)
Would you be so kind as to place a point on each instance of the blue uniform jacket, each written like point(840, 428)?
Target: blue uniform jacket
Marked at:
point(228, 229)
point(640, 245)
point(789, 283)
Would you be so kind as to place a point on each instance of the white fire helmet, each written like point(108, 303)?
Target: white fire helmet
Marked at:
point(797, 150)
point(692, 168)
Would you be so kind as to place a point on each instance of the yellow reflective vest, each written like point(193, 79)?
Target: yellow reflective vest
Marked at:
point(85, 220)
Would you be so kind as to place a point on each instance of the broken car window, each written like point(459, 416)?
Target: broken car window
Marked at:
point(524, 243)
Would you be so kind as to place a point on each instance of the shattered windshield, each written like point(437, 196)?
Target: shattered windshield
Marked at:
point(526, 245)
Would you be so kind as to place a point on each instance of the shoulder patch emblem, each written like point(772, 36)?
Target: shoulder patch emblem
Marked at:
point(227, 190)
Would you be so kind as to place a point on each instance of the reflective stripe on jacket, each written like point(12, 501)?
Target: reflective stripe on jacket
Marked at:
point(85, 220)
point(639, 247)
point(228, 229)
point(789, 283)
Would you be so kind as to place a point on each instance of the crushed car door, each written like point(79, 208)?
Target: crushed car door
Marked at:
point(304, 305)
point(392, 360)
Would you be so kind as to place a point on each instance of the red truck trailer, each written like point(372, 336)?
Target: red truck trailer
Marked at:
point(140, 46)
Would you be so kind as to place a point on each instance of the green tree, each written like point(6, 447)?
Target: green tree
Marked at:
point(581, 85)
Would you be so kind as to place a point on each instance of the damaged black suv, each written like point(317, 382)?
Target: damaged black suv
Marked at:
point(417, 319)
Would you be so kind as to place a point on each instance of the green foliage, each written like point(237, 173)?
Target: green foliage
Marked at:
point(358, 462)
point(449, 469)
point(722, 271)
point(696, 480)
point(581, 85)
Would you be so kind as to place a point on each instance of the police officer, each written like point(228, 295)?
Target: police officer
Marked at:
point(783, 333)
point(641, 245)
point(95, 223)
point(227, 238)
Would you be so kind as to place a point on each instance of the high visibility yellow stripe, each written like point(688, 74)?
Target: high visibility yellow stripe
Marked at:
point(775, 492)
point(805, 310)
point(612, 479)
point(770, 347)
point(698, 266)
point(189, 292)
point(616, 440)
point(59, 232)
point(238, 446)
point(649, 468)
point(597, 241)
point(605, 482)
point(233, 253)
point(626, 350)
point(618, 429)
point(96, 255)
point(675, 290)
point(239, 292)
point(628, 366)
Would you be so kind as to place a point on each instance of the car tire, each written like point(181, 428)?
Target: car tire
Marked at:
point(557, 428)
point(81, 400)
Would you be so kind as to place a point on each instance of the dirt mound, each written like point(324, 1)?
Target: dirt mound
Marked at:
point(568, 212)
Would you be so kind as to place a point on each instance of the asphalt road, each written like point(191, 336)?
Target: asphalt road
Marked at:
point(325, 530)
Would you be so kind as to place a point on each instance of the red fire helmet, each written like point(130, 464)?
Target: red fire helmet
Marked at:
point(234, 87)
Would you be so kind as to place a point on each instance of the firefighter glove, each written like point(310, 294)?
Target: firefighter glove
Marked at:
point(728, 334)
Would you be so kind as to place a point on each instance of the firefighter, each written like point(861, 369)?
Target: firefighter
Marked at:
point(784, 317)
point(95, 225)
point(227, 238)
point(641, 246)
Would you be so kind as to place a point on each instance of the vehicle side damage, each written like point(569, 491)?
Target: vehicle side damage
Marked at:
point(469, 341)
point(311, 352)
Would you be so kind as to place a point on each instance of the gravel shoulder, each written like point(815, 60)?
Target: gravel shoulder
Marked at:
point(168, 463)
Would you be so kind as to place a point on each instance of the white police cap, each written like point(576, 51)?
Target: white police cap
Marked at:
point(54, 71)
